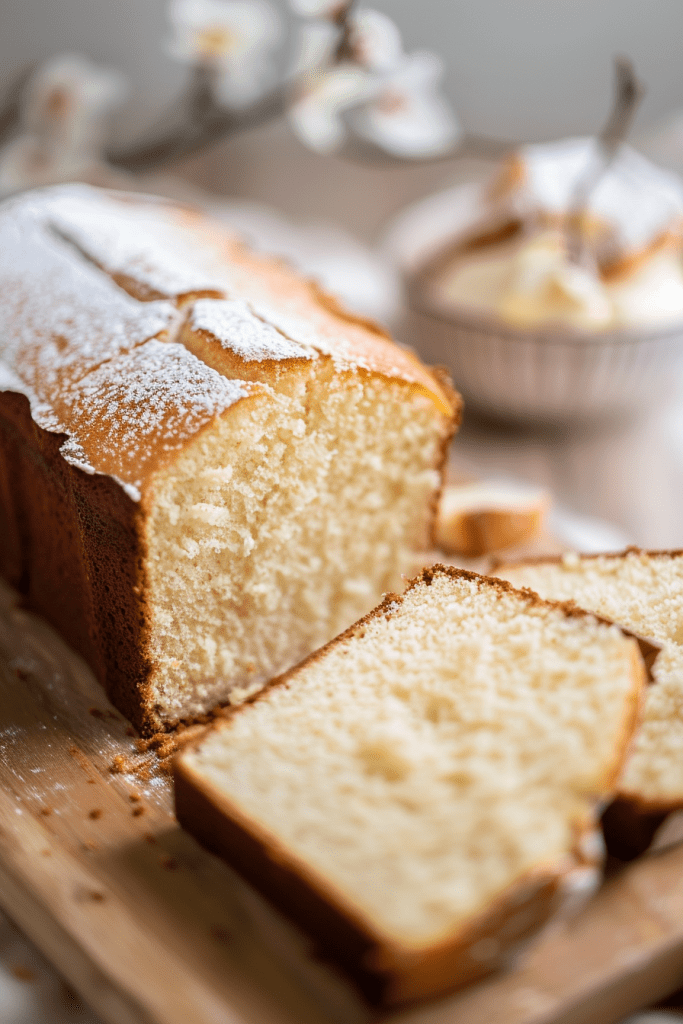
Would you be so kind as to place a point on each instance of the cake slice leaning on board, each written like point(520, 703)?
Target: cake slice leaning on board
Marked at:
point(206, 468)
point(642, 591)
point(419, 793)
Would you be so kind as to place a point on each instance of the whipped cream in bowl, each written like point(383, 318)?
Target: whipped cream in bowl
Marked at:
point(543, 311)
point(531, 283)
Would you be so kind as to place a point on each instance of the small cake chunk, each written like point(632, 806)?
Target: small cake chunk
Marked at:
point(476, 518)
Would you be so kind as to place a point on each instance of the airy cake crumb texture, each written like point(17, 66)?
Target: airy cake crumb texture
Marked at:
point(643, 592)
point(246, 576)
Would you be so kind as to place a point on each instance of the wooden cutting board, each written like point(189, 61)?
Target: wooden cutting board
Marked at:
point(148, 927)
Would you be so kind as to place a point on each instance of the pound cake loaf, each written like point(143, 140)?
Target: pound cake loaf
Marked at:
point(207, 469)
point(643, 591)
point(419, 793)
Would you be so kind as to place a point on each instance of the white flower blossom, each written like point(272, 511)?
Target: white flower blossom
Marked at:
point(315, 113)
point(233, 38)
point(315, 48)
point(407, 116)
point(330, 10)
point(327, 88)
point(386, 96)
point(62, 117)
point(375, 40)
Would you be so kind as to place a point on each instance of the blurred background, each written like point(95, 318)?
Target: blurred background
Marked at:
point(532, 70)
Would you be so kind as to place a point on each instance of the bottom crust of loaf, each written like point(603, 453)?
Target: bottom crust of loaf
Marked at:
point(387, 975)
point(630, 826)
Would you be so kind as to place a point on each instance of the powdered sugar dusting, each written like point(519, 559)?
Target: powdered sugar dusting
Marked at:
point(236, 327)
point(59, 316)
point(133, 413)
point(302, 332)
point(140, 241)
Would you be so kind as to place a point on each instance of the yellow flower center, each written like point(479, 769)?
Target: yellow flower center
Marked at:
point(216, 41)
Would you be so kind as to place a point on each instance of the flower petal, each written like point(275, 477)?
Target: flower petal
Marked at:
point(215, 31)
point(315, 111)
point(328, 9)
point(315, 46)
point(86, 88)
point(375, 40)
point(407, 116)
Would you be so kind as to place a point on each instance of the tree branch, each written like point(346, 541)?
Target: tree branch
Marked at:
point(11, 107)
point(628, 93)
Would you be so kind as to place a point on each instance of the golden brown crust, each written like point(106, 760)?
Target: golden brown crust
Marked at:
point(364, 342)
point(556, 559)
point(629, 825)
point(73, 549)
point(273, 279)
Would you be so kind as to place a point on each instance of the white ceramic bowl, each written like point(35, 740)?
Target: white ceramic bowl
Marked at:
point(546, 375)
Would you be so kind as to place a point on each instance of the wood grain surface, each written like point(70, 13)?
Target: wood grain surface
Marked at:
point(148, 927)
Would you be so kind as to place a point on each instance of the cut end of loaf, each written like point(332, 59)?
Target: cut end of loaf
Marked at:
point(279, 527)
point(423, 770)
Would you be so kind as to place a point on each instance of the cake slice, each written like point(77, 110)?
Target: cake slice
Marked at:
point(642, 591)
point(416, 793)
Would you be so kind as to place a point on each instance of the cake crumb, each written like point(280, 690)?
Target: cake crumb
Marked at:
point(137, 811)
point(95, 813)
point(121, 765)
point(168, 862)
point(98, 897)
point(45, 811)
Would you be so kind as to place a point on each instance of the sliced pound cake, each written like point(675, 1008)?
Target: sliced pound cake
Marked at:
point(642, 591)
point(207, 469)
point(416, 793)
